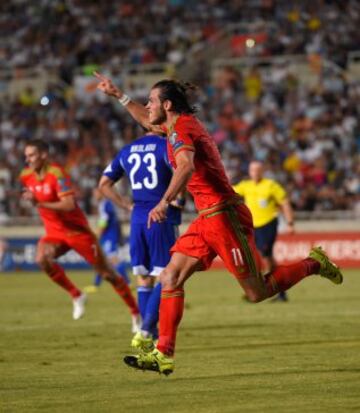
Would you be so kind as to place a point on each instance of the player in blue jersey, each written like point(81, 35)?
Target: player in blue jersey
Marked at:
point(145, 163)
point(110, 238)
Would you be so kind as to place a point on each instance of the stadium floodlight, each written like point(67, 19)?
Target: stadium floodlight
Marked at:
point(44, 101)
point(250, 43)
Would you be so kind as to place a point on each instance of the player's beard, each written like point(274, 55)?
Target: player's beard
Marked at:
point(35, 166)
point(160, 117)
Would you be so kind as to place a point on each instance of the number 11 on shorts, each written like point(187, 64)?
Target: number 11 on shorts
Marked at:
point(237, 257)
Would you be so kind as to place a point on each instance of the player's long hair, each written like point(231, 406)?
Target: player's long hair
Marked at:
point(177, 93)
point(39, 144)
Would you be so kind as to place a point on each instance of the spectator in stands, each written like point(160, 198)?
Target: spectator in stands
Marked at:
point(247, 115)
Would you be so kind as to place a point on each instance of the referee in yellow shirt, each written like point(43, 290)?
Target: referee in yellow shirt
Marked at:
point(266, 198)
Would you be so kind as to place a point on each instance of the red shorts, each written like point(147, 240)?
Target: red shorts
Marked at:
point(84, 243)
point(228, 233)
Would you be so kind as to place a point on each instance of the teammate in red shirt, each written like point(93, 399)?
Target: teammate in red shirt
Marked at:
point(224, 226)
point(49, 188)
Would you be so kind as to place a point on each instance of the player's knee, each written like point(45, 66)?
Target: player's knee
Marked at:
point(43, 261)
point(169, 279)
point(145, 281)
point(114, 261)
point(104, 269)
point(255, 296)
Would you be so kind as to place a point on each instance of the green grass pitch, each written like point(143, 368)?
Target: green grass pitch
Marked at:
point(232, 356)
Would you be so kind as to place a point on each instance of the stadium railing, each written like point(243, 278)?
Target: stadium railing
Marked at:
point(14, 81)
point(353, 64)
point(300, 65)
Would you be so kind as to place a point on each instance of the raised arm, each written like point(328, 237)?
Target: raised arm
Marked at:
point(136, 110)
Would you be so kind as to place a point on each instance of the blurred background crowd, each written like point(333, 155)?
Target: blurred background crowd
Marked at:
point(307, 135)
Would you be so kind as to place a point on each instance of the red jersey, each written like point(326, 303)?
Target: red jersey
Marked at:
point(54, 184)
point(208, 184)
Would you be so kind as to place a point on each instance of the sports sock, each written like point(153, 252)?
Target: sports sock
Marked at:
point(285, 276)
point(124, 291)
point(154, 332)
point(152, 312)
point(143, 295)
point(171, 311)
point(282, 296)
point(121, 268)
point(57, 274)
point(97, 280)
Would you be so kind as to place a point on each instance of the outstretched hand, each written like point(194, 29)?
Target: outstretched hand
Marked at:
point(107, 86)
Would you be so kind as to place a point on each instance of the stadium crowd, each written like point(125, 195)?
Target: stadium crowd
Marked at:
point(309, 138)
point(68, 34)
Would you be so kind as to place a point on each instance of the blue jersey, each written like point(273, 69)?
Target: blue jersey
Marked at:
point(109, 222)
point(145, 163)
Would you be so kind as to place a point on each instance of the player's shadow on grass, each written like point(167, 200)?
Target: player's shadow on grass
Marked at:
point(266, 344)
point(227, 326)
point(268, 373)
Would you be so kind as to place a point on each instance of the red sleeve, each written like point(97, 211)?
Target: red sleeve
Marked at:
point(181, 138)
point(63, 185)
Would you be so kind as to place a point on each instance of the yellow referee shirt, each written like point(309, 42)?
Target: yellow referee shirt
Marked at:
point(262, 198)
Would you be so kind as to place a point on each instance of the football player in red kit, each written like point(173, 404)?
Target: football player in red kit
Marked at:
point(48, 187)
point(224, 226)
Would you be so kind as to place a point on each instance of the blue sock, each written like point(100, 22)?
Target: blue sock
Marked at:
point(122, 270)
point(97, 280)
point(143, 295)
point(282, 295)
point(151, 317)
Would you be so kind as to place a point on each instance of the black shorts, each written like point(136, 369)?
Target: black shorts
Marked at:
point(265, 237)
